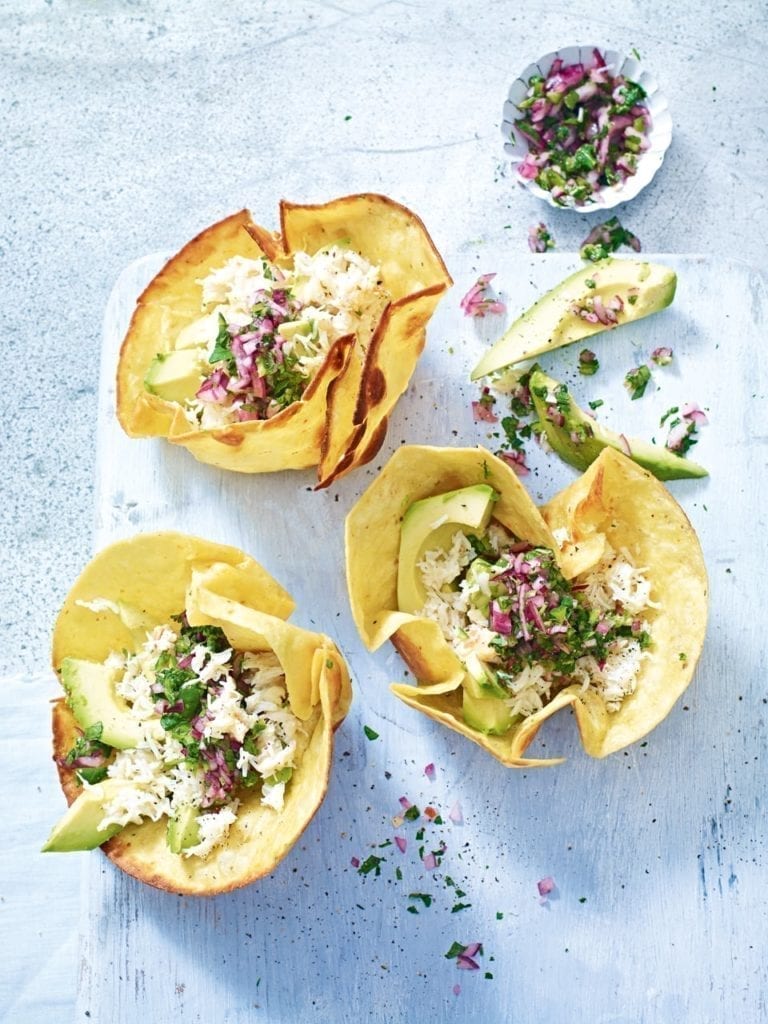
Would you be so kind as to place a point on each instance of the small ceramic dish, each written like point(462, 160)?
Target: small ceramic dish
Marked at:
point(648, 162)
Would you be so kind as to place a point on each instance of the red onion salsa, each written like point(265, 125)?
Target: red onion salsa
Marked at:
point(540, 619)
point(585, 128)
point(225, 726)
point(508, 604)
point(266, 330)
point(252, 372)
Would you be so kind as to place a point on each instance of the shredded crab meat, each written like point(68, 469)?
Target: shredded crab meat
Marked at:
point(158, 779)
point(462, 603)
point(279, 320)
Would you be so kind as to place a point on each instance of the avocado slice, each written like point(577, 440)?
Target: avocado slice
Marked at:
point(183, 828)
point(92, 698)
point(198, 334)
point(431, 523)
point(480, 680)
point(480, 600)
point(488, 715)
point(176, 376)
point(581, 438)
point(552, 322)
point(79, 828)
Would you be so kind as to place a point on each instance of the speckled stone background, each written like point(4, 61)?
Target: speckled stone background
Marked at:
point(127, 125)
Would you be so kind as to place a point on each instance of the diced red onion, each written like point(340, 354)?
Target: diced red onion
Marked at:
point(546, 885)
point(677, 435)
point(691, 411)
point(500, 621)
point(483, 413)
point(456, 815)
point(89, 761)
point(662, 356)
point(516, 459)
point(475, 303)
point(466, 963)
point(401, 843)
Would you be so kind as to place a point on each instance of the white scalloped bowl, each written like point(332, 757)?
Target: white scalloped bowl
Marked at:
point(516, 146)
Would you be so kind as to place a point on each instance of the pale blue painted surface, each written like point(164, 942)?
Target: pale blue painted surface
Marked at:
point(123, 128)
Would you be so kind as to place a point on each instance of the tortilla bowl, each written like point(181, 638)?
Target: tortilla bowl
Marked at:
point(340, 419)
point(142, 583)
point(615, 502)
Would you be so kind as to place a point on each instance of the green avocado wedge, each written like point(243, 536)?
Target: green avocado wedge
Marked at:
point(430, 524)
point(578, 438)
point(176, 376)
point(79, 828)
point(627, 289)
point(486, 714)
point(183, 829)
point(92, 698)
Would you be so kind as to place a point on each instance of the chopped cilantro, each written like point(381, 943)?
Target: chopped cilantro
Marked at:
point(636, 381)
point(457, 948)
point(89, 745)
point(588, 363)
point(222, 349)
point(412, 813)
point(372, 863)
point(424, 897)
point(562, 399)
point(459, 906)
point(284, 382)
point(540, 238)
point(606, 238)
point(370, 733)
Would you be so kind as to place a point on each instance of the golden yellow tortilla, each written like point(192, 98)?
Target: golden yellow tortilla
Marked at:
point(341, 419)
point(614, 501)
point(153, 577)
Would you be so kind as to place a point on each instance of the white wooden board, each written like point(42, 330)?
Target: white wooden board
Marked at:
point(657, 852)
